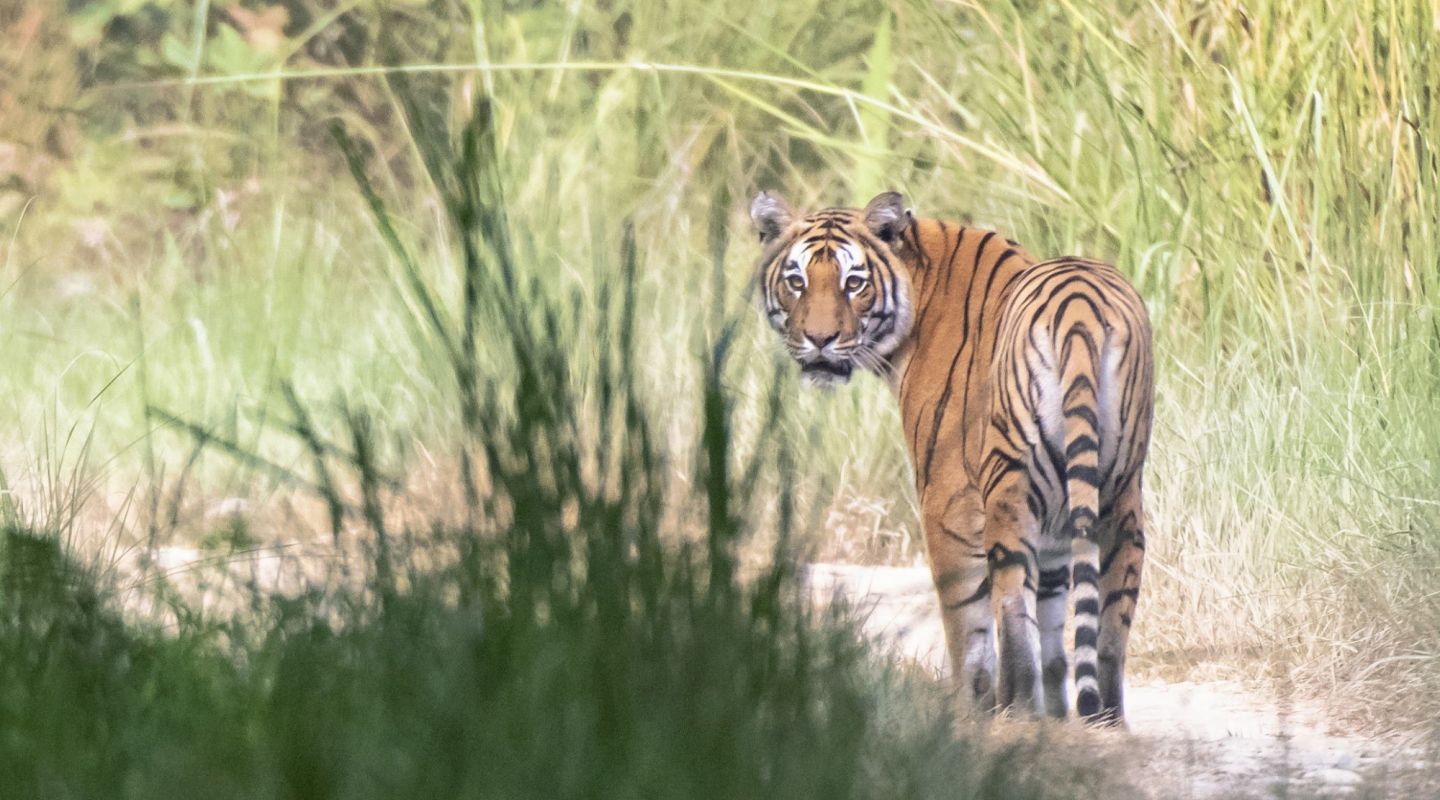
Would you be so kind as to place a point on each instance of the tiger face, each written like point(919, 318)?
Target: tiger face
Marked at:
point(834, 284)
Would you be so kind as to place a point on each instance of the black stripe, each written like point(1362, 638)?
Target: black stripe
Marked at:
point(981, 593)
point(1079, 383)
point(947, 579)
point(1054, 582)
point(1128, 536)
point(942, 406)
point(1001, 557)
point(1120, 594)
point(957, 536)
point(1081, 444)
point(1086, 473)
point(1085, 413)
point(979, 325)
point(1088, 298)
point(1060, 576)
point(1032, 504)
point(1042, 510)
point(1067, 344)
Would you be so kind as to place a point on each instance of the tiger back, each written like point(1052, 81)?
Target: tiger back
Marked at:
point(1026, 394)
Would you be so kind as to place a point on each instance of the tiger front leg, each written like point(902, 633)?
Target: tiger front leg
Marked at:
point(954, 540)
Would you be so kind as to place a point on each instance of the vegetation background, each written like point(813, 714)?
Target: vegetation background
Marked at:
point(203, 316)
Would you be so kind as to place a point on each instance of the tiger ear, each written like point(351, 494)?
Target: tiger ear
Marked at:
point(886, 216)
point(770, 214)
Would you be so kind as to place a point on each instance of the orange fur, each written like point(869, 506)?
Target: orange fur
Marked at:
point(1025, 391)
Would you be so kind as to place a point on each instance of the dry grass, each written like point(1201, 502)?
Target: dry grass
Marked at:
point(1265, 174)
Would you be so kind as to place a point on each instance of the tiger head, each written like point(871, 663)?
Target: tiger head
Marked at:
point(835, 283)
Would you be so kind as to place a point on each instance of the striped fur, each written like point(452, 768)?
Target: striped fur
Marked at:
point(1025, 391)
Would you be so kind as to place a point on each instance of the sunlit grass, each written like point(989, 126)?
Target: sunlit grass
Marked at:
point(566, 640)
point(1265, 174)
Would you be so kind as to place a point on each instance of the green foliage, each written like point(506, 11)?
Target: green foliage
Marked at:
point(1266, 174)
point(572, 649)
point(624, 683)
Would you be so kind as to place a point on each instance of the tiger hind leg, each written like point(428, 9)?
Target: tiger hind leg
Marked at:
point(1052, 602)
point(1119, 592)
point(970, 633)
point(1011, 534)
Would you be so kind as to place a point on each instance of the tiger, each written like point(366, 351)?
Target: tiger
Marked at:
point(1025, 390)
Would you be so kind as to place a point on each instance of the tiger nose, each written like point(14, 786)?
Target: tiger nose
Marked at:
point(822, 339)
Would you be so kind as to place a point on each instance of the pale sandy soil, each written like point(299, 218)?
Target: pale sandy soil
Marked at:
point(1216, 739)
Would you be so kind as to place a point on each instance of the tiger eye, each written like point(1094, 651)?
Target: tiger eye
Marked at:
point(795, 282)
point(854, 283)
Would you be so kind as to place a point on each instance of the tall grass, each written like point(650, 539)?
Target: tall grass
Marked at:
point(563, 642)
point(1265, 173)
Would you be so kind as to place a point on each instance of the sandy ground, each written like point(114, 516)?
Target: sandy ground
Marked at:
point(1217, 739)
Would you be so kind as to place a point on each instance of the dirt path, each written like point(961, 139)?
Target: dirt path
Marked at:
point(1204, 740)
